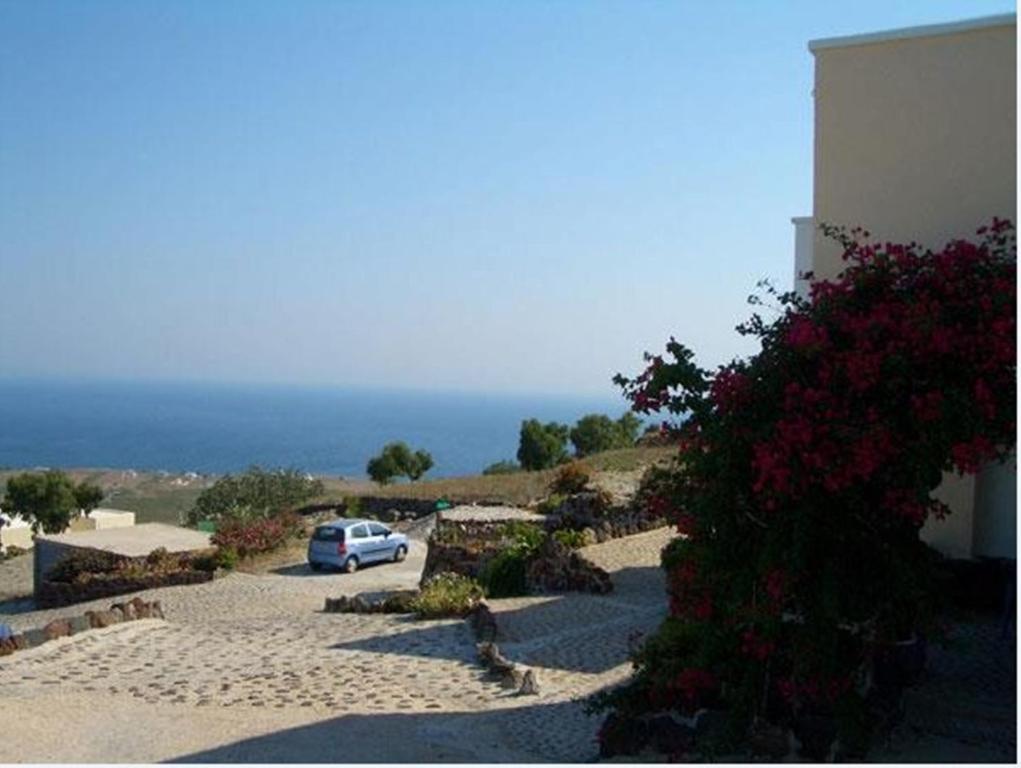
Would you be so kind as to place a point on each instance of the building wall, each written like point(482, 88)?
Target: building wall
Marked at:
point(915, 140)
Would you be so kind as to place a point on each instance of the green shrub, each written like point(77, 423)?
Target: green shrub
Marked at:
point(352, 506)
point(505, 575)
point(542, 446)
point(524, 537)
point(570, 539)
point(550, 504)
point(227, 558)
point(571, 478)
point(447, 595)
point(504, 467)
point(255, 493)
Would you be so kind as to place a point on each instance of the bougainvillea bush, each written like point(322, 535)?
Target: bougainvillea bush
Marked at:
point(248, 537)
point(805, 473)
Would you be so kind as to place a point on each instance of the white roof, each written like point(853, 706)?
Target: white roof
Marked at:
point(106, 512)
point(16, 522)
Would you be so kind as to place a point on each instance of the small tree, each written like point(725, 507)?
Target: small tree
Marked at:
point(397, 460)
point(255, 493)
point(45, 500)
point(542, 446)
point(87, 496)
point(597, 432)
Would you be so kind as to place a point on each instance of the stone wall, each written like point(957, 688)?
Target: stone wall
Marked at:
point(73, 625)
point(54, 594)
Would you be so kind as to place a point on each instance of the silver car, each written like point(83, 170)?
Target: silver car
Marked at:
point(349, 544)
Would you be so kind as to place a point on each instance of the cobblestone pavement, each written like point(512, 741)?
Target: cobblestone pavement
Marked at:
point(259, 646)
point(965, 709)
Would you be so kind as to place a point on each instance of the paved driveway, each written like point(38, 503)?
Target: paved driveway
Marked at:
point(247, 668)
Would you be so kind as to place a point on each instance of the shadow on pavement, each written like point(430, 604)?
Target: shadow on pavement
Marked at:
point(520, 734)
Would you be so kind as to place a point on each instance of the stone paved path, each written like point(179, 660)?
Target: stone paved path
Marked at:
point(248, 668)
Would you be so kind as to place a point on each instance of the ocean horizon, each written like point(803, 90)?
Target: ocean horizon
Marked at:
point(213, 428)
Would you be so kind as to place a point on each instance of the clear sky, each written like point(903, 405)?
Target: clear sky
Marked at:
point(469, 195)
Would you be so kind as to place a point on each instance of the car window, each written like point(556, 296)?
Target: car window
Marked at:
point(377, 530)
point(359, 532)
point(327, 533)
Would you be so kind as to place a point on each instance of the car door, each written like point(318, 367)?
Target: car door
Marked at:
point(358, 543)
point(381, 542)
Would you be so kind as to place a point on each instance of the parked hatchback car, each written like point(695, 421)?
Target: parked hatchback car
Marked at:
point(350, 544)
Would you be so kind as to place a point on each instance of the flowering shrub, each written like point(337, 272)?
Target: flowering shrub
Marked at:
point(253, 536)
point(805, 472)
point(572, 477)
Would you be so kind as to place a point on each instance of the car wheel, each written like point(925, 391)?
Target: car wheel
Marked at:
point(351, 565)
point(316, 566)
point(401, 553)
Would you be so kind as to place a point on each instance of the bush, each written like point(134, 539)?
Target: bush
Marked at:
point(252, 537)
point(502, 468)
point(571, 478)
point(550, 505)
point(255, 493)
point(505, 575)
point(806, 472)
point(447, 595)
point(570, 539)
point(227, 558)
point(352, 507)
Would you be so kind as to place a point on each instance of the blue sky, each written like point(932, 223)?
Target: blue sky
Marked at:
point(516, 196)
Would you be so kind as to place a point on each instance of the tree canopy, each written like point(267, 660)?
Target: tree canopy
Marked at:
point(542, 446)
point(256, 492)
point(49, 500)
point(597, 432)
point(398, 460)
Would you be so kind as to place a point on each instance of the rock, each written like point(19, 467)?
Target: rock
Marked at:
point(142, 609)
point(33, 637)
point(119, 613)
point(79, 624)
point(670, 737)
point(127, 610)
point(513, 679)
point(156, 609)
point(57, 628)
point(20, 643)
point(100, 619)
point(7, 646)
point(529, 685)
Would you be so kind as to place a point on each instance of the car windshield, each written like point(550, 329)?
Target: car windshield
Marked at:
point(327, 533)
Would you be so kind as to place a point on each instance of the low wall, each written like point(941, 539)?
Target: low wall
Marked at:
point(55, 594)
point(388, 509)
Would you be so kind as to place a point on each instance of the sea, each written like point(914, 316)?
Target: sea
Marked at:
point(206, 428)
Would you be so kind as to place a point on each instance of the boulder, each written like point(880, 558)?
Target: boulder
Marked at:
point(7, 646)
point(57, 628)
point(33, 637)
point(100, 619)
point(127, 610)
point(529, 685)
point(156, 609)
point(79, 624)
